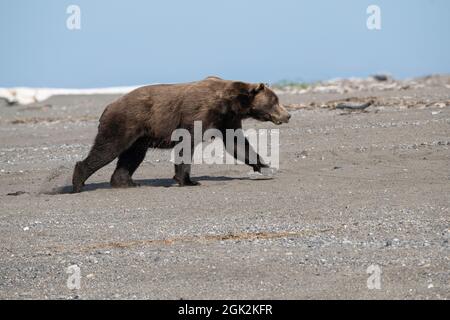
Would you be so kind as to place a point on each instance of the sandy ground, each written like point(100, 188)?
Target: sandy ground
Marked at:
point(354, 190)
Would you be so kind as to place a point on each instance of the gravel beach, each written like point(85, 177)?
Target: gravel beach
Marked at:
point(357, 187)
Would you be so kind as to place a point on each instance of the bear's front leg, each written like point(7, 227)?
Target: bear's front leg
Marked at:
point(183, 175)
point(244, 152)
point(257, 167)
point(121, 179)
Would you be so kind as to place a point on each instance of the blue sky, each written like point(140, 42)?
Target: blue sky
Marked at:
point(143, 41)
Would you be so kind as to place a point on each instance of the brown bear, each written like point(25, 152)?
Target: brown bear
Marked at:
point(146, 117)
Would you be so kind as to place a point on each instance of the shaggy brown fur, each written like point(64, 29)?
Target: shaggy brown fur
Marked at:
point(146, 117)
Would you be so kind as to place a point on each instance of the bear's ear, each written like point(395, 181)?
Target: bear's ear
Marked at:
point(238, 94)
point(255, 89)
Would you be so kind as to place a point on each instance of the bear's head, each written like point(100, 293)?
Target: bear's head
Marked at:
point(259, 102)
point(265, 105)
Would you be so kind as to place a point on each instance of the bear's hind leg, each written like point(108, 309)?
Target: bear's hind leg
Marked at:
point(102, 153)
point(128, 162)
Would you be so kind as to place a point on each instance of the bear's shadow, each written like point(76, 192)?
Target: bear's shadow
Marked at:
point(167, 183)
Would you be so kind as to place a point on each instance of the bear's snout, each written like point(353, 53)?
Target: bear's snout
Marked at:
point(281, 115)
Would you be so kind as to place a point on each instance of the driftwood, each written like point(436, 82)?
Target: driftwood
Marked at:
point(353, 106)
